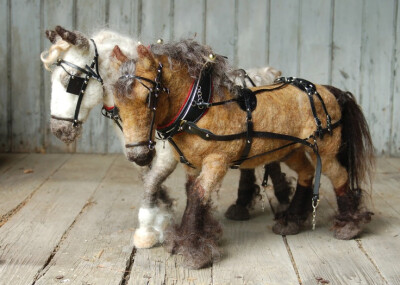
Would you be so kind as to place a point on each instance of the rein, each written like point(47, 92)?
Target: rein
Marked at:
point(77, 85)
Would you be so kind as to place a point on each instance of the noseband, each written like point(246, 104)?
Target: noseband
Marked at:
point(77, 85)
point(152, 98)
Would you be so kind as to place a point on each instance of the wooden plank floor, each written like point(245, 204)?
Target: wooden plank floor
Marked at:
point(69, 219)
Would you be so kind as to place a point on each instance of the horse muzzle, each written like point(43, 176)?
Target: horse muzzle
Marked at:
point(141, 155)
point(64, 130)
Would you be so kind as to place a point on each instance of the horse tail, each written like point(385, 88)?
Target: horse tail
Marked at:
point(356, 151)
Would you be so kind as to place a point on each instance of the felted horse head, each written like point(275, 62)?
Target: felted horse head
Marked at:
point(284, 121)
point(80, 74)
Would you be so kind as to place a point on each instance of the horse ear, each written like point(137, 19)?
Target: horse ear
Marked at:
point(118, 56)
point(143, 52)
point(75, 38)
point(52, 36)
point(274, 71)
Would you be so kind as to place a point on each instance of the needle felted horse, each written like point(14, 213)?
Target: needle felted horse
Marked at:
point(236, 127)
point(81, 73)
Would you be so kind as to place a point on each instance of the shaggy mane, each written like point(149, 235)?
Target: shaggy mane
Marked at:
point(190, 54)
point(123, 85)
point(195, 56)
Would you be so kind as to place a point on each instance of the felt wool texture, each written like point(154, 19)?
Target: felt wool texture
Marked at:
point(76, 48)
point(286, 110)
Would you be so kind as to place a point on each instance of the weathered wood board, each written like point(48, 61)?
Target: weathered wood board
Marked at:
point(24, 178)
point(155, 21)
point(189, 20)
point(346, 47)
point(98, 245)
point(395, 124)
point(77, 228)
point(29, 238)
point(4, 82)
point(26, 102)
point(284, 36)
point(253, 34)
point(220, 31)
point(315, 41)
point(252, 253)
point(376, 69)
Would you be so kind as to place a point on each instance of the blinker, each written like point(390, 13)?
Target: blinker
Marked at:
point(75, 85)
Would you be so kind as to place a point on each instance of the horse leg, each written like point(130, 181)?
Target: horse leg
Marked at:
point(153, 219)
point(197, 236)
point(248, 190)
point(290, 221)
point(282, 188)
point(348, 222)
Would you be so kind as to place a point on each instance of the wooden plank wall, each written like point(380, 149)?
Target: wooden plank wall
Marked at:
point(354, 45)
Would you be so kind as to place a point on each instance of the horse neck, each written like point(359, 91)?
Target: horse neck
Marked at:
point(178, 81)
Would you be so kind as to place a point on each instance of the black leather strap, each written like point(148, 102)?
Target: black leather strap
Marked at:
point(152, 98)
point(310, 89)
point(76, 82)
point(194, 107)
point(182, 157)
point(113, 114)
point(250, 104)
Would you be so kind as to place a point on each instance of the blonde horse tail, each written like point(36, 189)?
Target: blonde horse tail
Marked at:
point(356, 151)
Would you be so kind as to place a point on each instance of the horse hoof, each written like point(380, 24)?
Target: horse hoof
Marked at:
point(198, 252)
point(237, 213)
point(288, 228)
point(145, 238)
point(348, 231)
point(350, 226)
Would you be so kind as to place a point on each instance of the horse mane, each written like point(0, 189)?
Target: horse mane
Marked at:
point(123, 85)
point(195, 56)
point(48, 57)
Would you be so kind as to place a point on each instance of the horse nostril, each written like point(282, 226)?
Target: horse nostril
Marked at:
point(130, 156)
point(140, 155)
point(64, 130)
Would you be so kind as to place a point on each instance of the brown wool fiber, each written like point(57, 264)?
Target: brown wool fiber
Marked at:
point(285, 110)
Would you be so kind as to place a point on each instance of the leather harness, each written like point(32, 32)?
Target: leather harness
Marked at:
point(195, 107)
point(77, 85)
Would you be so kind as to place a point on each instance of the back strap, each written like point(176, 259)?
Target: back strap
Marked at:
point(310, 89)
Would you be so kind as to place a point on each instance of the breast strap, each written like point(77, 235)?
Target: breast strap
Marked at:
point(193, 109)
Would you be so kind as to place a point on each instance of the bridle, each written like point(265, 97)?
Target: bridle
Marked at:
point(152, 98)
point(77, 85)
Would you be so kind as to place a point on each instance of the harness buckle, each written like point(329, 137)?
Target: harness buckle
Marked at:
point(314, 203)
point(151, 145)
point(329, 123)
point(75, 124)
